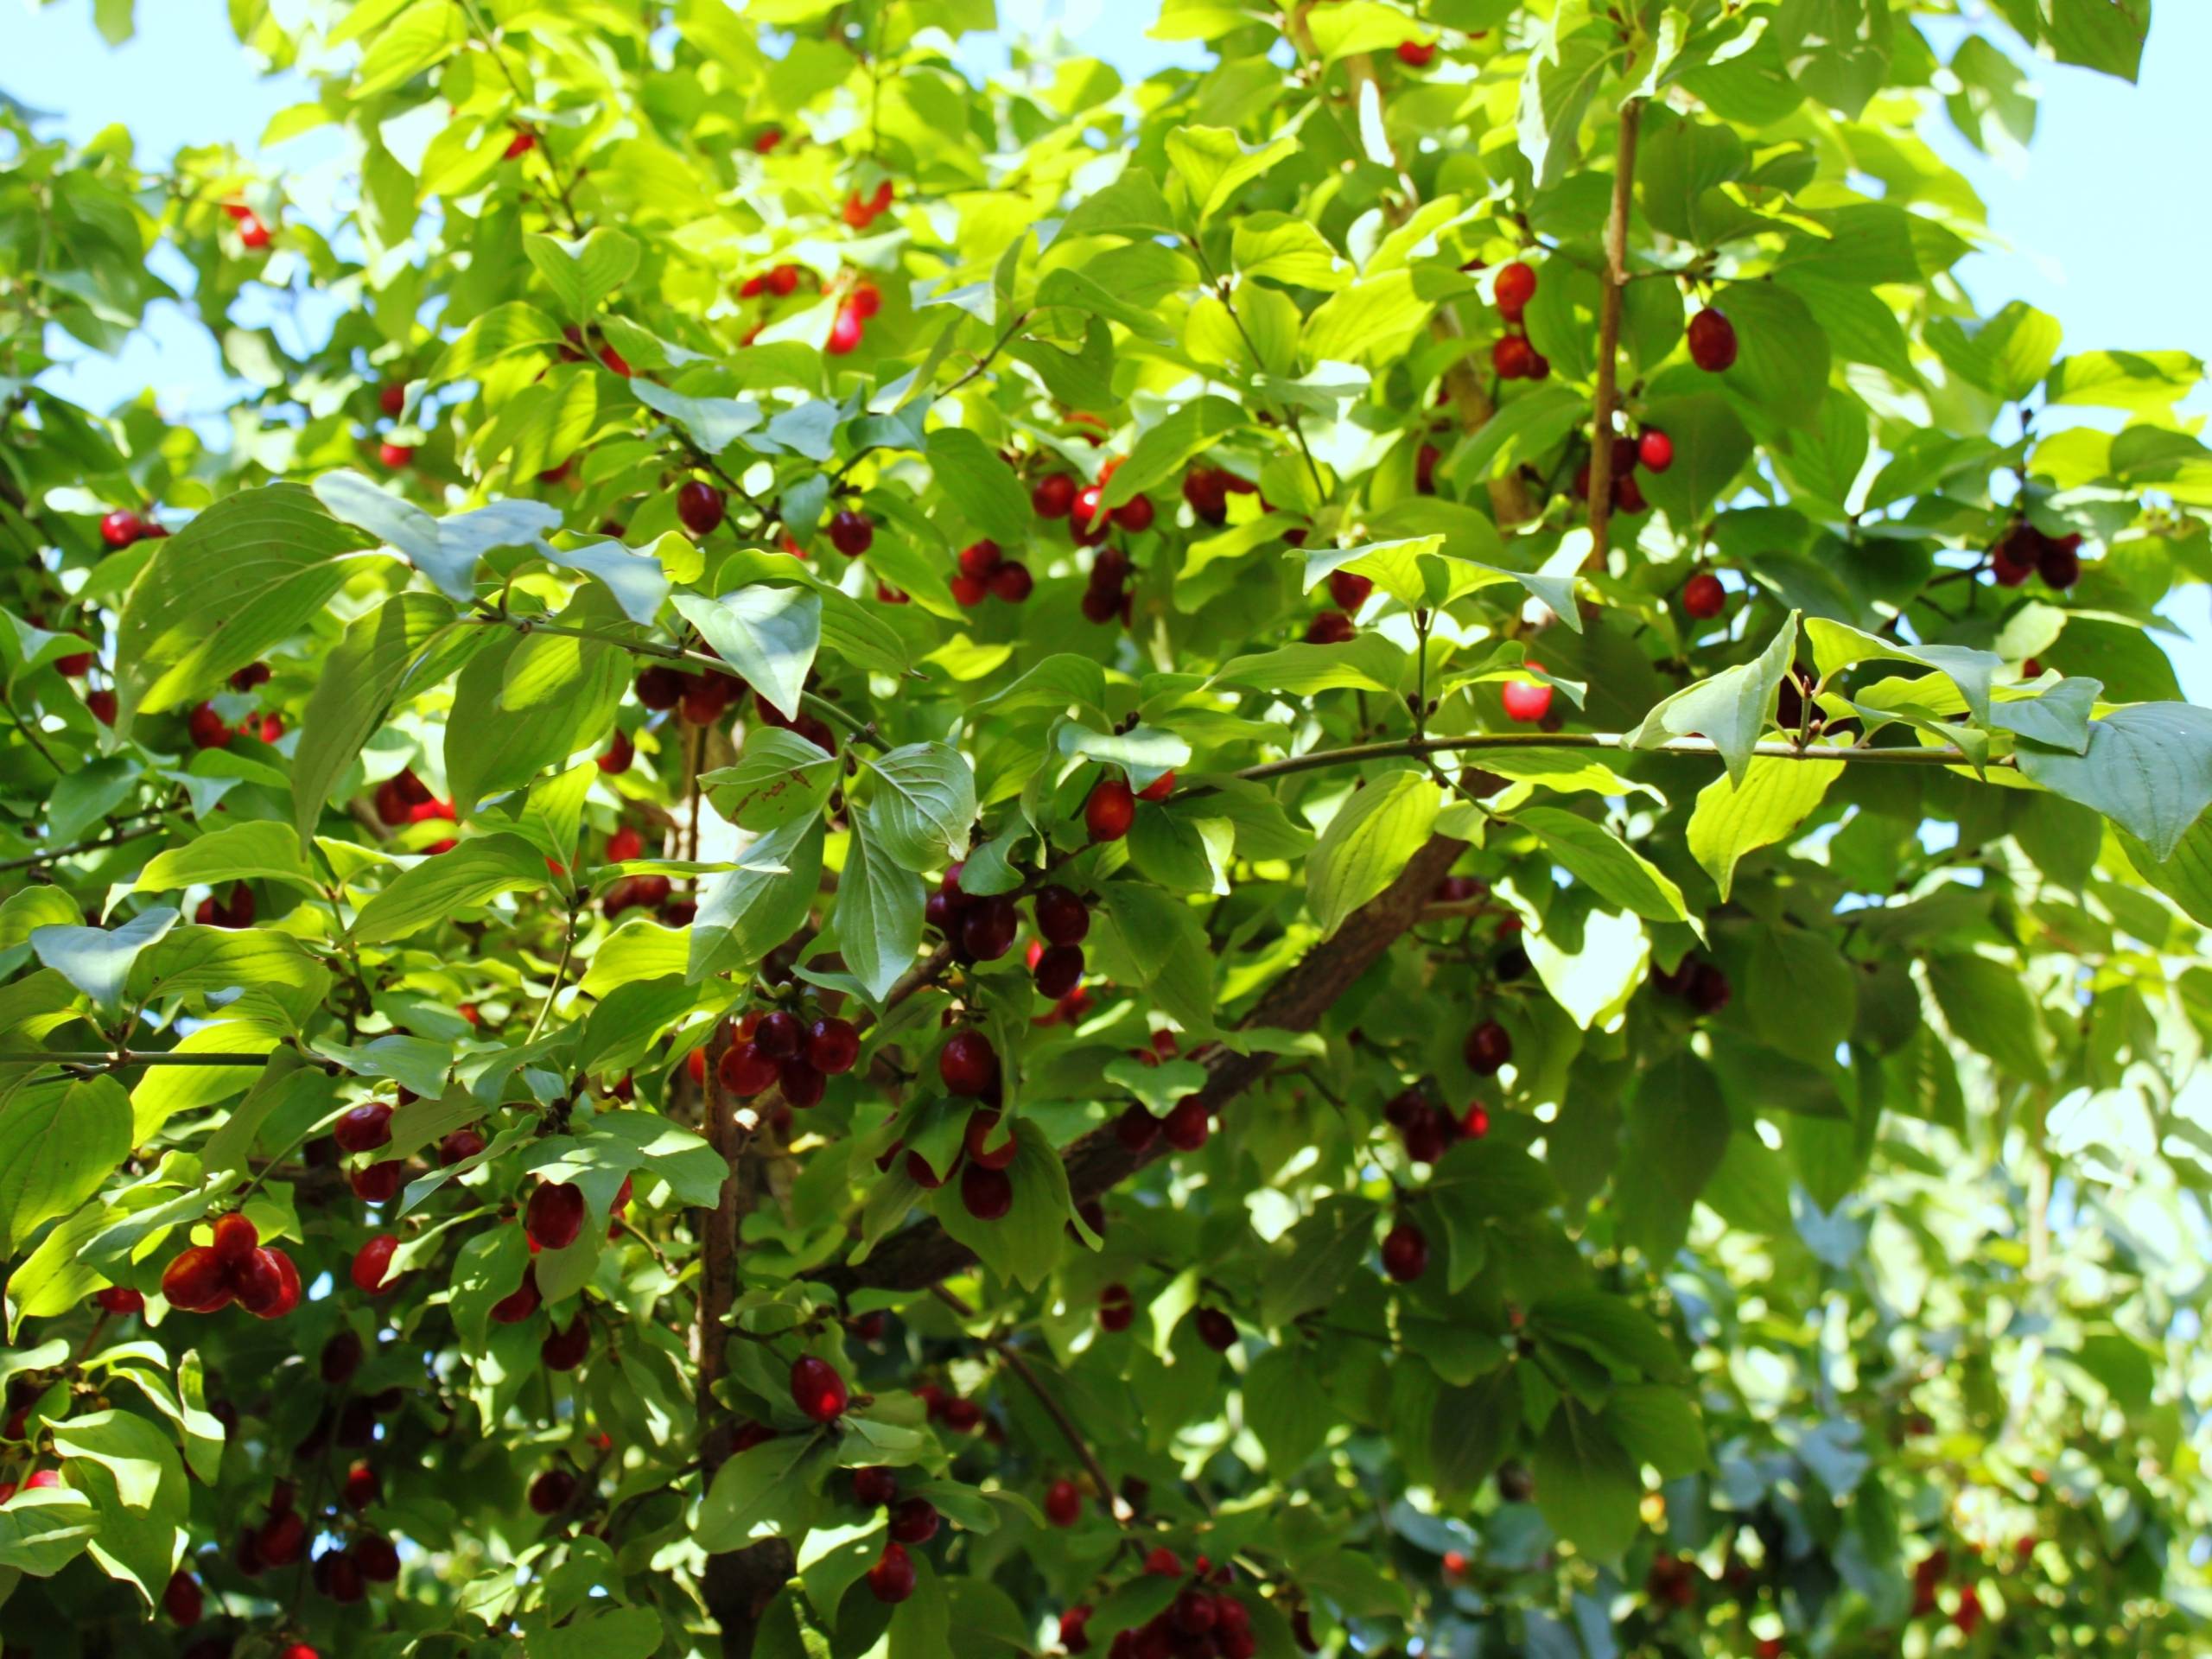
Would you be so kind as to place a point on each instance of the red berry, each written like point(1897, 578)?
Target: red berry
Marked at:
point(552, 1491)
point(968, 1065)
point(1487, 1049)
point(120, 529)
point(1331, 628)
point(1527, 700)
point(206, 728)
point(564, 1351)
point(101, 706)
point(1654, 450)
point(1117, 1309)
point(1216, 1330)
point(745, 1071)
point(1162, 1562)
point(365, 1127)
point(846, 329)
point(1208, 495)
point(832, 1045)
point(661, 687)
point(1187, 1125)
point(915, 1520)
point(979, 559)
point(252, 232)
point(1012, 583)
point(520, 1303)
point(816, 1389)
point(181, 1598)
point(891, 1578)
point(1136, 1129)
point(119, 1299)
point(1053, 496)
point(780, 1035)
point(1512, 357)
point(875, 1487)
point(852, 533)
point(1476, 1124)
point(282, 1539)
point(1516, 287)
point(1063, 1504)
point(1711, 341)
point(1088, 519)
point(376, 1557)
point(1416, 55)
point(521, 145)
point(378, 1183)
point(1058, 971)
point(1159, 788)
point(1111, 808)
point(1703, 597)
point(235, 1238)
point(372, 1263)
point(1062, 918)
point(1405, 1252)
point(700, 506)
point(801, 1086)
point(394, 455)
point(1134, 515)
point(555, 1215)
point(967, 592)
point(196, 1281)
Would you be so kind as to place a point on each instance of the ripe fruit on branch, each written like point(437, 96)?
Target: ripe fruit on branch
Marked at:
point(1711, 341)
point(832, 1045)
point(1488, 1047)
point(372, 1264)
point(1216, 1329)
point(979, 559)
point(986, 1192)
point(1331, 628)
point(1703, 597)
point(552, 1491)
point(1117, 1309)
point(816, 1389)
point(1516, 286)
point(1062, 918)
point(365, 1127)
point(891, 1578)
point(914, 1520)
point(1110, 810)
point(1416, 55)
point(852, 533)
point(982, 1126)
point(1654, 450)
point(1405, 1252)
point(1527, 700)
point(1063, 1504)
point(1053, 497)
point(565, 1350)
point(968, 1065)
point(555, 1215)
point(122, 528)
point(875, 1487)
point(700, 506)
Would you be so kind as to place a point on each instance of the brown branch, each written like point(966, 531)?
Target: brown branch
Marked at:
point(1609, 337)
point(925, 1253)
point(93, 845)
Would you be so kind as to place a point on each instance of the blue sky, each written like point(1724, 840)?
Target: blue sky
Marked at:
point(2101, 223)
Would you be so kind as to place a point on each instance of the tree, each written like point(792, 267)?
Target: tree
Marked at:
point(1381, 851)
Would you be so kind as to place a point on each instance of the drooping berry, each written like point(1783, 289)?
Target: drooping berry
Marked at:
point(816, 1389)
point(1711, 341)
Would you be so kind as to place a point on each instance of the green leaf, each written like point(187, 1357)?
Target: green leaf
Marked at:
point(500, 333)
point(1368, 662)
point(1604, 863)
point(1587, 1486)
point(135, 1483)
point(2106, 36)
point(1473, 1429)
point(1661, 1427)
point(1286, 1410)
point(581, 273)
point(1162, 449)
point(97, 961)
point(1734, 817)
point(59, 1143)
point(263, 851)
point(360, 681)
point(1676, 1133)
point(921, 1628)
point(924, 806)
point(1711, 448)
point(478, 869)
point(1146, 938)
point(1731, 708)
point(43, 1530)
point(2148, 382)
point(1783, 361)
point(1213, 163)
point(1368, 842)
point(762, 1490)
point(1026, 1244)
point(879, 914)
point(447, 550)
point(1987, 1007)
point(767, 635)
point(598, 1632)
point(1311, 1267)
point(1285, 249)
point(981, 487)
point(2006, 355)
point(1562, 77)
point(245, 574)
point(2148, 769)
point(781, 777)
point(746, 912)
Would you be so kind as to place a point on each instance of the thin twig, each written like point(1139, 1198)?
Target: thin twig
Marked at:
point(1109, 1499)
point(1609, 337)
point(92, 844)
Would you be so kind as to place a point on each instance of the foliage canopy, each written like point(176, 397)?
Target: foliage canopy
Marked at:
point(1526, 758)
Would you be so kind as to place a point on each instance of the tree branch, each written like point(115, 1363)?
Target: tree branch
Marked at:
point(1609, 337)
point(1473, 742)
point(93, 845)
point(925, 1253)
